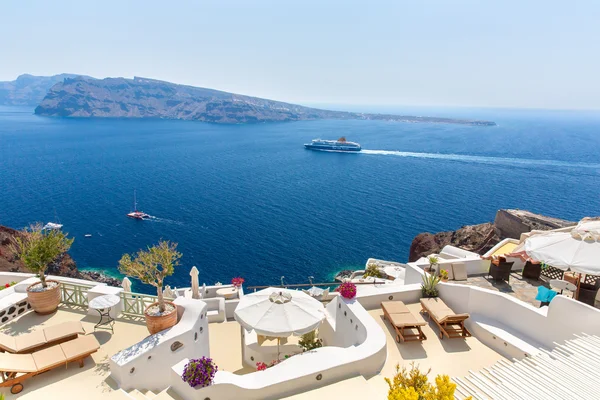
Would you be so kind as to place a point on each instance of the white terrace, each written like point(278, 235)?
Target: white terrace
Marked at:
point(359, 346)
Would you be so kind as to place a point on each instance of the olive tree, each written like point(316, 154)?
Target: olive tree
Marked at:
point(37, 248)
point(152, 266)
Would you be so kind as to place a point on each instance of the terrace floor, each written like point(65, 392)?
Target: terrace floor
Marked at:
point(453, 357)
point(519, 287)
point(92, 381)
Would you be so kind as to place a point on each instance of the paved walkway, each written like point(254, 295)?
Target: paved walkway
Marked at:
point(519, 287)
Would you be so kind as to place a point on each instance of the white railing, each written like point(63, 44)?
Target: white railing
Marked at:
point(75, 294)
point(134, 304)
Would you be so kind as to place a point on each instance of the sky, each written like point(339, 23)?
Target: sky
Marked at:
point(485, 53)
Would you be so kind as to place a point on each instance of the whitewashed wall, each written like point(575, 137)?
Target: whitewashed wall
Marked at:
point(147, 364)
point(348, 324)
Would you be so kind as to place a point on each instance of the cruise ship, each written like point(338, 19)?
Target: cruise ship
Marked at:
point(333, 145)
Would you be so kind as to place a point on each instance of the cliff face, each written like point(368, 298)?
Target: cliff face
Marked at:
point(64, 266)
point(28, 90)
point(481, 238)
point(149, 98)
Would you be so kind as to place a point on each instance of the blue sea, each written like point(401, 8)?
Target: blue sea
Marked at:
point(250, 201)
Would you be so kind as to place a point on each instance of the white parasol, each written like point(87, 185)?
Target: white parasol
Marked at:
point(279, 312)
point(126, 285)
point(578, 250)
point(195, 283)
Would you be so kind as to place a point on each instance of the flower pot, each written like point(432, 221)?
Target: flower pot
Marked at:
point(157, 323)
point(444, 279)
point(44, 302)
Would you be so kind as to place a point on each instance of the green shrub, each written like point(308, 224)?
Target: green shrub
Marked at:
point(374, 271)
point(310, 341)
point(429, 285)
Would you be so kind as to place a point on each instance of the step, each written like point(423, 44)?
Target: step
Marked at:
point(137, 395)
point(357, 386)
point(167, 394)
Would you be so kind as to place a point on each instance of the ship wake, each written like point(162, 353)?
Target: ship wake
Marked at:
point(484, 159)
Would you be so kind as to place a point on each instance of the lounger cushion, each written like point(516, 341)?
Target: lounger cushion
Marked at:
point(395, 307)
point(30, 340)
point(17, 363)
point(81, 346)
point(62, 331)
point(438, 310)
point(49, 358)
point(406, 320)
point(7, 343)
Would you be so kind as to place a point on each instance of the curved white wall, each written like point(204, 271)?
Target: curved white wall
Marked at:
point(362, 351)
point(147, 364)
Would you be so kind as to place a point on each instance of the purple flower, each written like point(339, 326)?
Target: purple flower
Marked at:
point(347, 290)
point(200, 372)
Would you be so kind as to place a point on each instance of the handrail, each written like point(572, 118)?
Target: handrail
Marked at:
point(134, 304)
point(74, 293)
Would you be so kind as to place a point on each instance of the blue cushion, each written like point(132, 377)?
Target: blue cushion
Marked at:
point(545, 295)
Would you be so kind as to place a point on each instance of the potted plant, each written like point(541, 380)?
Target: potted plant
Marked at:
point(152, 266)
point(429, 285)
point(199, 372)
point(37, 248)
point(374, 271)
point(347, 290)
point(237, 282)
point(444, 275)
point(433, 261)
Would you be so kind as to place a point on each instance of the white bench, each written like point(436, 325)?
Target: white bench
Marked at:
point(502, 338)
point(216, 309)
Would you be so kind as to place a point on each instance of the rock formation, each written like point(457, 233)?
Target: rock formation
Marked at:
point(64, 266)
point(481, 238)
point(28, 90)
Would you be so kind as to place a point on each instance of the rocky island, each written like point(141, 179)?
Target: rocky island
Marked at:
point(28, 90)
point(85, 97)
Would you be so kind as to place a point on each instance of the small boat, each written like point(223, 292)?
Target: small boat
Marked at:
point(52, 226)
point(135, 214)
point(88, 235)
point(340, 145)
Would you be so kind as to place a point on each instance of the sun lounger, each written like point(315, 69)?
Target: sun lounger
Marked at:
point(401, 318)
point(29, 342)
point(16, 368)
point(451, 324)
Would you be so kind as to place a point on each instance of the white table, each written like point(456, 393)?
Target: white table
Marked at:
point(103, 304)
point(562, 285)
point(228, 292)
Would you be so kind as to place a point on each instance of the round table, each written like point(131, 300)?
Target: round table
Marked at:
point(561, 285)
point(228, 292)
point(103, 304)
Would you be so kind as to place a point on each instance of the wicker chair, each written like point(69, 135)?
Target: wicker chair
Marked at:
point(532, 271)
point(500, 272)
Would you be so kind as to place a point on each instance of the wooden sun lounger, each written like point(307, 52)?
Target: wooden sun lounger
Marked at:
point(401, 318)
point(29, 342)
point(451, 324)
point(16, 368)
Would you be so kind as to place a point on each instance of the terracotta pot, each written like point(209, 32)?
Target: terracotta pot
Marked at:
point(156, 324)
point(45, 302)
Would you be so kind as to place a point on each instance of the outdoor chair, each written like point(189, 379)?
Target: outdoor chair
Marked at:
point(500, 272)
point(401, 318)
point(451, 325)
point(29, 342)
point(16, 368)
point(532, 271)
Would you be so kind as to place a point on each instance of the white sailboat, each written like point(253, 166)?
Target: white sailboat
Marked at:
point(135, 214)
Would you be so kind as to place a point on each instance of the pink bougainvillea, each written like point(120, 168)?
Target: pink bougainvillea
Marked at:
point(237, 282)
point(347, 290)
point(261, 366)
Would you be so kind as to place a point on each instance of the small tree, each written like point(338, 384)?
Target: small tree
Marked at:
point(38, 248)
point(152, 266)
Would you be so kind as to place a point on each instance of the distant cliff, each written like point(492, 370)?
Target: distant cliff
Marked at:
point(64, 266)
point(28, 90)
point(148, 98)
point(481, 238)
